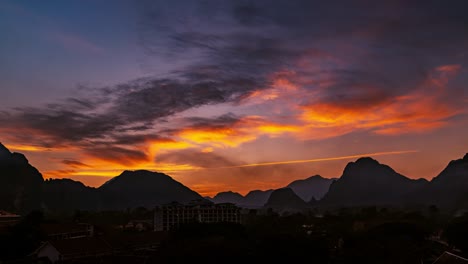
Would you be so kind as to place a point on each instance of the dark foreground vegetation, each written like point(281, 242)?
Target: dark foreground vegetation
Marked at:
point(364, 235)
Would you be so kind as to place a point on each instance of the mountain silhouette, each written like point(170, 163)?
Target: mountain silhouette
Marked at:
point(449, 189)
point(253, 199)
point(367, 182)
point(130, 189)
point(63, 194)
point(143, 188)
point(228, 197)
point(285, 199)
point(313, 187)
point(5, 154)
point(20, 183)
point(364, 182)
point(256, 198)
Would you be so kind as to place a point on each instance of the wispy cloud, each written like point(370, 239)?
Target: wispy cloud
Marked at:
point(320, 159)
point(75, 164)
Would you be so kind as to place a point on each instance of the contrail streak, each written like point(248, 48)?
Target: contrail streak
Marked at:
point(319, 159)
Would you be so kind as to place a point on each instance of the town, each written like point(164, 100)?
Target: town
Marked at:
point(208, 231)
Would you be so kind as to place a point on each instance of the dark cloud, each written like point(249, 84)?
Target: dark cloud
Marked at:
point(126, 115)
point(116, 154)
point(226, 120)
point(248, 14)
point(203, 123)
point(150, 99)
point(75, 164)
point(62, 125)
point(131, 139)
point(196, 158)
point(392, 45)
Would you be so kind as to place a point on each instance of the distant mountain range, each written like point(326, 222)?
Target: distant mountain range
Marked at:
point(285, 199)
point(254, 199)
point(313, 187)
point(366, 182)
point(128, 190)
point(363, 182)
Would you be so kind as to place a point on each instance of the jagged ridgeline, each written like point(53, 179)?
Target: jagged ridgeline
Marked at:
point(23, 189)
point(20, 183)
point(363, 182)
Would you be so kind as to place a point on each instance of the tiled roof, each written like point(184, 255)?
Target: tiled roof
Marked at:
point(60, 228)
point(128, 240)
point(105, 244)
point(82, 246)
point(7, 214)
point(113, 260)
point(450, 258)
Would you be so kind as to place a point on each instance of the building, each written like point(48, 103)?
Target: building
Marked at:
point(139, 225)
point(174, 214)
point(450, 258)
point(96, 248)
point(8, 219)
point(61, 231)
point(59, 250)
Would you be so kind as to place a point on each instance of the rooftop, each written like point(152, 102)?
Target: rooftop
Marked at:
point(7, 214)
point(450, 258)
point(60, 228)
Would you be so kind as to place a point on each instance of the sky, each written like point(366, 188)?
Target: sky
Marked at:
point(233, 95)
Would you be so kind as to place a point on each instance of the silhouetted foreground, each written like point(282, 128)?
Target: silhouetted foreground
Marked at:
point(371, 214)
point(358, 235)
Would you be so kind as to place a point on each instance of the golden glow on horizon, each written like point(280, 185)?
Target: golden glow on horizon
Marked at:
point(171, 167)
point(160, 167)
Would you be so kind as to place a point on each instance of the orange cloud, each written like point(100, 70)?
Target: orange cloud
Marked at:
point(281, 87)
point(442, 74)
point(158, 146)
point(245, 130)
point(216, 137)
point(420, 111)
point(277, 129)
point(207, 150)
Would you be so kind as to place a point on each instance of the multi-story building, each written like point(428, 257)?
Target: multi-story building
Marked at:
point(174, 214)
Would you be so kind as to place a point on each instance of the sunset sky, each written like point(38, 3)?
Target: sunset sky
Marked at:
point(233, 95)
